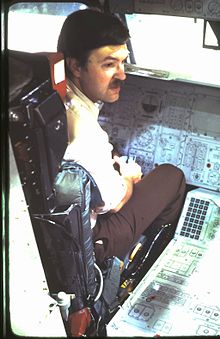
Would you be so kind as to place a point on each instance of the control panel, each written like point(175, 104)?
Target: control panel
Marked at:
point(209, 10)
point(180, 294)
point(167, 121)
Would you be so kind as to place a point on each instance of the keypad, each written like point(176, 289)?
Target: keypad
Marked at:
point(195, 218)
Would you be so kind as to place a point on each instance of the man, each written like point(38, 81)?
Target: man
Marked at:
point(94, 47)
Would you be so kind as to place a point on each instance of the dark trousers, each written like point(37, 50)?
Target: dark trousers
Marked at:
point(156, 200)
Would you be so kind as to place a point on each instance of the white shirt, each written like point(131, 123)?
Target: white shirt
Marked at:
point(89, 146)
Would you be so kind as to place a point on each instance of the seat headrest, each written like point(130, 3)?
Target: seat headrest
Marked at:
point(29, 70)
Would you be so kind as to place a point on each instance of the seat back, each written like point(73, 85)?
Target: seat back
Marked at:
point(38, 132)
point(58, 194)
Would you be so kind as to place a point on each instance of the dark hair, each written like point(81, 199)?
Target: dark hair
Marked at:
point(85, 30)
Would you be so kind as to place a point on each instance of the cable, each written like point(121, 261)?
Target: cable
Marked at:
point(101, 283)
point(214, 202)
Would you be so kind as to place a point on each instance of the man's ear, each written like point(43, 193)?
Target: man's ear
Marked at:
point(73, 66)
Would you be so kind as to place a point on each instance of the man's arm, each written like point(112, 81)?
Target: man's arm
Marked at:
point(128, 194)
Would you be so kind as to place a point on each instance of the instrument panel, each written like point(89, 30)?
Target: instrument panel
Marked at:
point(189, 8)
point(167, 121)
point(180, 294)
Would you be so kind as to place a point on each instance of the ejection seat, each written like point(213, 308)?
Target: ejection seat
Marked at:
point(59, 196)
point(59, 211)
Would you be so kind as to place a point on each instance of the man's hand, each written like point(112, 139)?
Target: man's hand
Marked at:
point(130, 169)
point(131, 173)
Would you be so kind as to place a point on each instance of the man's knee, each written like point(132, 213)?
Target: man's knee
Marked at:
point(172, 171)
point(173, 176)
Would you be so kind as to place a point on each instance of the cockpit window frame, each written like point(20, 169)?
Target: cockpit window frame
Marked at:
point(131, 44)
point(176, 74)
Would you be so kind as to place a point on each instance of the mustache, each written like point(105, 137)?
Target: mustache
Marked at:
point(116, 83)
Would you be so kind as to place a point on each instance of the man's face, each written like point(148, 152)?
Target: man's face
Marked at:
point(101, 78)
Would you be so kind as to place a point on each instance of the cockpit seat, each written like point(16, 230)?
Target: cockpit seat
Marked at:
point(60, 217)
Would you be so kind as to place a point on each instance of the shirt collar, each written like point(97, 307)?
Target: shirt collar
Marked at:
point(84, 100)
